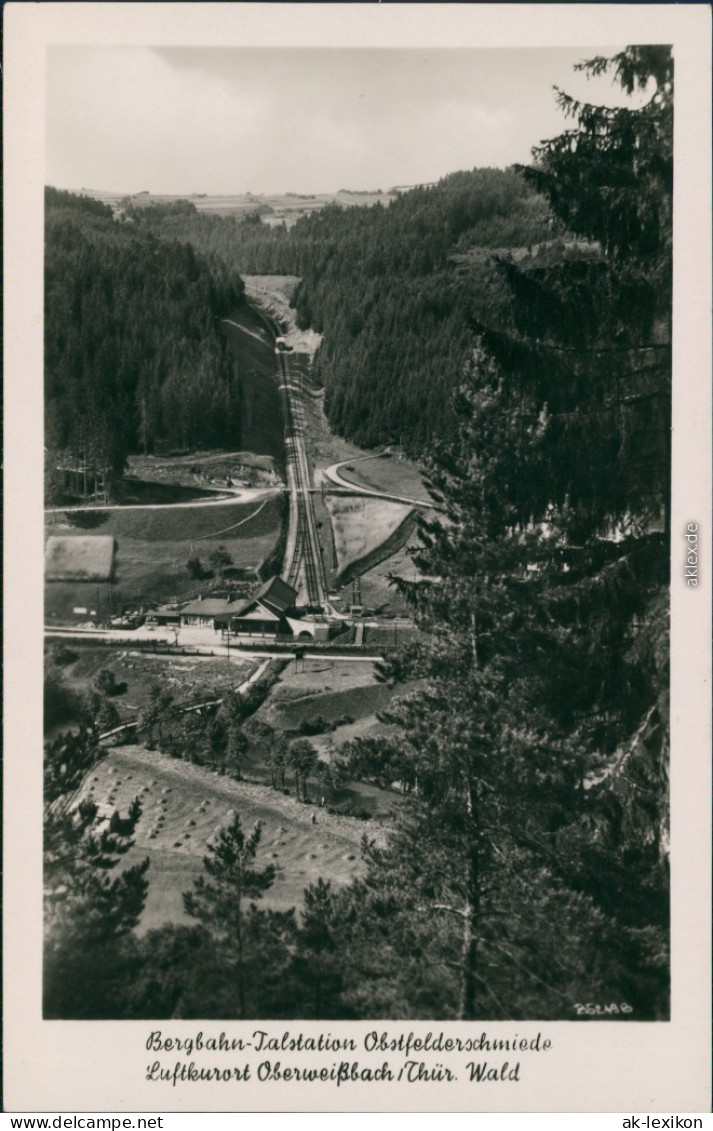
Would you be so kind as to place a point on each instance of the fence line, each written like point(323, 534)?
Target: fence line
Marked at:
point(166, 648)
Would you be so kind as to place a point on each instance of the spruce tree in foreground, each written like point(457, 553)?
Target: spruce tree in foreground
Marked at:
point(92, 901)
point(223, 902)
point(529, 870)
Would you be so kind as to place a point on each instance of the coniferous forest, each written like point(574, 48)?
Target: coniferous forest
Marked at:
point(133, 350)
point(512, 330)
point(394, 290)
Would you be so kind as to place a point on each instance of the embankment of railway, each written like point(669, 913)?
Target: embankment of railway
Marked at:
point(380, 553)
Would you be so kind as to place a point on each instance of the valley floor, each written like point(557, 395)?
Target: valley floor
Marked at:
point(185, 804)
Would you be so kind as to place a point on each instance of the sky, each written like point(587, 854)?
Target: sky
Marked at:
point(307, 120)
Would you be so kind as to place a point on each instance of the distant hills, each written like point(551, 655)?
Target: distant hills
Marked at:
point(274, 209)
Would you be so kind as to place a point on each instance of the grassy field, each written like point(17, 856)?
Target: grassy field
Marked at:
point(334, 690)
point(184, 806)
point(357, 703)
point(376, 588)
point(388, 473)
point(314, 678)
point(146, 492)
point(278, 287)
point(317, 685)
point(188, 678)
point(283, 207)
point(153, 546)
point(323, 674)
point(88, 557)
point(174, 524)
point(288, 208)
point(360, 525)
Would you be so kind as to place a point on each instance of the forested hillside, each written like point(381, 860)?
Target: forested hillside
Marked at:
point(133, 352)
point(383, 286)
point(395, 308)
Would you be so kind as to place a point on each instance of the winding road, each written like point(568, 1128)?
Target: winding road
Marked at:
point(332, 474)
point(227, 496)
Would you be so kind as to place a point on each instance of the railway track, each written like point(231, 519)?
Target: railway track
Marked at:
point(303, 559)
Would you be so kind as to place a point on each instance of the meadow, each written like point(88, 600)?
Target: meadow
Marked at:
point(363, 528)
point(183, 807)
point(153, 547)
point(388, 473)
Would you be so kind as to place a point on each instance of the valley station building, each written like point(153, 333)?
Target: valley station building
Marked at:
point(263, 614)
point(269, 612)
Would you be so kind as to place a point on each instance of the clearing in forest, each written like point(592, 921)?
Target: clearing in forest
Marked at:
point(84, 558)
point(361, 525)
point(183, 806)
point(388, 473)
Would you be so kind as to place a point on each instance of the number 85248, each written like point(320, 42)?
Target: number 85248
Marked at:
point(595, 1009)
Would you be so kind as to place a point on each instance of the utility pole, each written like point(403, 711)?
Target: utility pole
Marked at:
point(357, 608)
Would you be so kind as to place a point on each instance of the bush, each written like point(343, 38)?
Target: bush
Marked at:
point(220, 559)
point(107, 684)
point(195, 568)
point(108, 716)
point(343, 721)
point(317, 725)
point(61, 703)
point(62, 655)
point(354, 811)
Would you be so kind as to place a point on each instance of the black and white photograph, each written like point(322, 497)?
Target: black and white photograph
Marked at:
point(357, 440)
point(359, 537)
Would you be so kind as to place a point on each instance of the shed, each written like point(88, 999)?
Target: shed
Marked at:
point(164, 614)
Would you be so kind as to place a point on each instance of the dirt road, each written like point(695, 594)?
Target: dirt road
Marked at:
point(332, 474)
point(226, 496)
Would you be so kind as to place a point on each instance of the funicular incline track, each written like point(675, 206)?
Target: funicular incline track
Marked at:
point(303, 560)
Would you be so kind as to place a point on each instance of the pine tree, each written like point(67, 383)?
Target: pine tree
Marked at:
point(590, 341)
point(303, 758)
point(220, 559)
point(66, 761)
point(155, 714)
point(231, 718)
point(91, 905)
point(318, 962)
point(218, 902)
point(541, 677)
